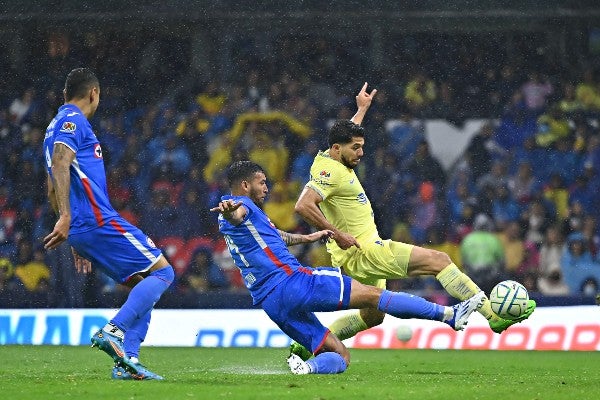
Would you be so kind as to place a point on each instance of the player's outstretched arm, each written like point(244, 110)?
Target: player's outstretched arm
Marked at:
point(363, 102)
point(292, 239)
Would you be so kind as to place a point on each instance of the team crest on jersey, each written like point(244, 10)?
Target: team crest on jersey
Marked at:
point(150, 242)
point(97, 150)
point(68, 127)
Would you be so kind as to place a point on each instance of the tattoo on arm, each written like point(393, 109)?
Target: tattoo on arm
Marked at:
point(62, 158)
point(291, 239)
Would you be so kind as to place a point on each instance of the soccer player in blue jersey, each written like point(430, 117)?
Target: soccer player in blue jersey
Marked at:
point(98, 235)
point(290, 293)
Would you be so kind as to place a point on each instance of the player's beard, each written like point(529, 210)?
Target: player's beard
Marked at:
point(347, 163)
point(256, 198)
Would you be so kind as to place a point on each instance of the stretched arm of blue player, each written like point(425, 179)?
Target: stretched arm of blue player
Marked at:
point(292, 239)
point(363, 102)
point(231, 211)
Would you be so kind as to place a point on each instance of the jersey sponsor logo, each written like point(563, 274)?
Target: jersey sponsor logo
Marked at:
point(150, 242)
point(379, 242)
point(250, 279)
point(324, 174)
point(68, 127)
point(362, 198)
point(97, 150)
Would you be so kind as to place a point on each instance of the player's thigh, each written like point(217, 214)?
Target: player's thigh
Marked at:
point(427, 261)
point(302, 326)
point(118, 248)
point(381, 259)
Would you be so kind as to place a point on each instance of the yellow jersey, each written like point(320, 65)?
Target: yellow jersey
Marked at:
point(345, 204)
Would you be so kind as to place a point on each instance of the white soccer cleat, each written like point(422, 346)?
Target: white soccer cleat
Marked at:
point(463, 310)
point(297, 365)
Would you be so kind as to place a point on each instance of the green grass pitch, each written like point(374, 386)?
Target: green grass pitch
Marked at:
point(58, 372)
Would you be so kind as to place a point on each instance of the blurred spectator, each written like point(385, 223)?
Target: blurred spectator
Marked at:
point(578, 265)
point(588, 91)
point(505, 209)
point(32, 271)
point(12, 293)
point(483, 255)
point(202, 273)
point(483, 149)
point(300, 173)
point(569, 103)
point(536, 218)
point(536, 91)
point(552, 126)
point(22, 106)
point(422, 166)
point(420, 92)
point(405, 134)
point(280, 207)
point(497, 177)
point(523, 184)
point(159, 218)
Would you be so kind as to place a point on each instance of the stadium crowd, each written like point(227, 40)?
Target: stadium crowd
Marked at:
point(521, 202)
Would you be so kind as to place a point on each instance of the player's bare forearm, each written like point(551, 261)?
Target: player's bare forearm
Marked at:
point(61, 162)
point(291, 239)
point(52, 196)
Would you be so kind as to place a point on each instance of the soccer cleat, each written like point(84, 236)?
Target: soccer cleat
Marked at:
point(299, 350)
point(120, 372)
point(463, 310)
point(297, 365)
point(500, 325)
point(110, 344)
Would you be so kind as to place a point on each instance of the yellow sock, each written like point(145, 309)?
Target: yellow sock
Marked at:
point(347, 326)
point(460, 286)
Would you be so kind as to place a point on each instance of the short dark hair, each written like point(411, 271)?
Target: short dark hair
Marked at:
point(79, 82)
point(343, 131)
point(242, 170)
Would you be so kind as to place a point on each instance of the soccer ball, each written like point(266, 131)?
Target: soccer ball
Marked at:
point(404, 333)
point(509, 299)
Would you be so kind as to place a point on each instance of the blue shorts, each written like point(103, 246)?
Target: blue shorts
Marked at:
point(118, 248)
point(292, 304)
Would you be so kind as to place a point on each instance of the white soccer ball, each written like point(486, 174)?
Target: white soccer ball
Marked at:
point(404, 333)
point(509, 299)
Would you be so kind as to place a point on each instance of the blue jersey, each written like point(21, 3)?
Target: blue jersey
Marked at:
point(257, 249)
point(90, 206)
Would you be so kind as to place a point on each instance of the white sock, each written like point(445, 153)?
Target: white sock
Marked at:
point(113, 330)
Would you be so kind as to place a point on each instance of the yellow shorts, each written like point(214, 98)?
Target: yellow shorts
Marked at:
point(377, 261)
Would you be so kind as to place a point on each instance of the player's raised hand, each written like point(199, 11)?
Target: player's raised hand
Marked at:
point(345, 240)
point(363, 99)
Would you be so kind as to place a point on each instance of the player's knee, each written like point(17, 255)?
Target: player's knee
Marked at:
point(166, 274)
point(439, 261)
point(372, 317)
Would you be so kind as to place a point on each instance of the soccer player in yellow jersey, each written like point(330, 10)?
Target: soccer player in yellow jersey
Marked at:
point(334, 199)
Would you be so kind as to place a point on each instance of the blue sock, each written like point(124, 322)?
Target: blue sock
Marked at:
point(143, 297)
point(135, 335)
point(327, 363)
point(404, 305)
